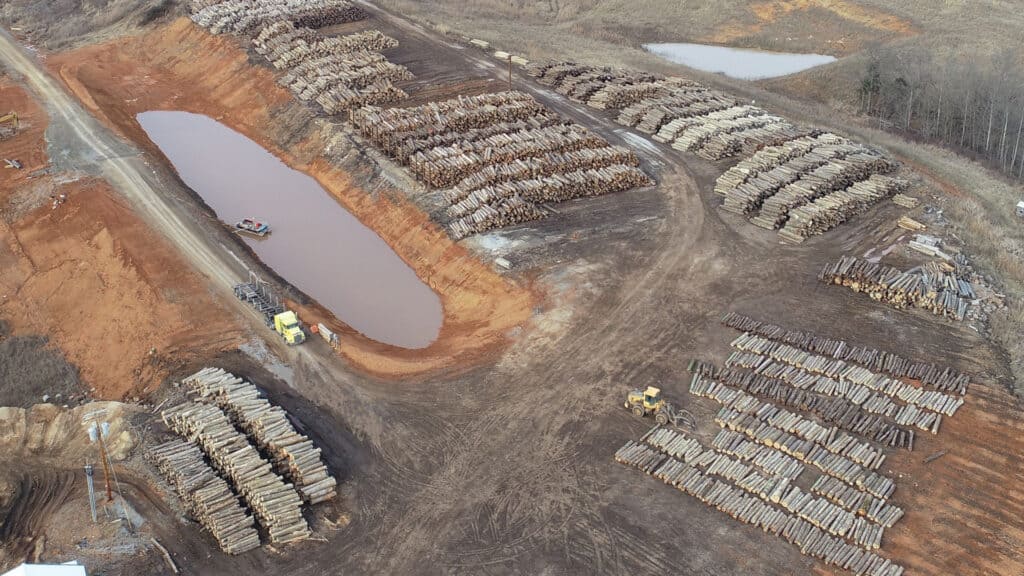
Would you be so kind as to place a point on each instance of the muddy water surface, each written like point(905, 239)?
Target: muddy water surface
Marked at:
point(738, 62)
point(315, 243)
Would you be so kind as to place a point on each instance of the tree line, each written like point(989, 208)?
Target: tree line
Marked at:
point(972, 104)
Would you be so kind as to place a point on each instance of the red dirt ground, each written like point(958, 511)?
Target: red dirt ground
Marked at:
point(112, 295)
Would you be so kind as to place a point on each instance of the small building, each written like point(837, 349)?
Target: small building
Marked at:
point(67, 569)
point(1020, 208)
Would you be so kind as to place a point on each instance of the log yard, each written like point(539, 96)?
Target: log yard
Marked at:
point(589, 287)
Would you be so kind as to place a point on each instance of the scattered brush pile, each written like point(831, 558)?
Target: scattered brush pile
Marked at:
point(499, 157)
point(248, 16)
point(338, 73)
point(936, 287)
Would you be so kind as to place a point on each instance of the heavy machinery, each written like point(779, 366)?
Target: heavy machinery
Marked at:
point(649, 401)
point(11, 117)
point(287, 325)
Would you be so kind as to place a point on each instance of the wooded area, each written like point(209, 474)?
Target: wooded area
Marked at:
point(968, 103)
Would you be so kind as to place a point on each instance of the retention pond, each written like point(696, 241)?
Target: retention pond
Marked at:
point(315, 244)
point(737, 62)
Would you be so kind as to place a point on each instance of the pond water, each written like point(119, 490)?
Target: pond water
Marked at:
point(315, 243)
point(738, 62)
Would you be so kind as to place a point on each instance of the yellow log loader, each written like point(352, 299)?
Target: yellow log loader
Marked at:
point(645, 402)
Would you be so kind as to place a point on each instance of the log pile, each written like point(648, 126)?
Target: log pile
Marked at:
point(743, 405)
point(827, 178)
point(767, 459)
point(905, 201)
point(938, 377)
point(828, 516)
point(337, 73)
point(555, 188)
point(277, 505)
point(748, 197)
point(930, 287)
point(505, 212)
point(545, 165)
point(500, 156)
point(293, 454)
point(831, 210)
point(284, 45)
point(875, 509)
point(248, 16)
point(869, 419)
point(445, 166)
point(802, 448)
point(929, 400)
point(753, 510)
point(206, 496)
point(727, 144)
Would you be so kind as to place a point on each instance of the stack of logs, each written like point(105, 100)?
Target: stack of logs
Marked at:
point(839, 370)
point(934, 287)
point(867, 419)
point(248, 16)
point(276, 505)
point(792, 443)
point(338, 73)
point(769, 502)
point(941, 378)
point(207, 497)
point(500, 157)
point(820, 181)
point(831, 210)
point(293, 454)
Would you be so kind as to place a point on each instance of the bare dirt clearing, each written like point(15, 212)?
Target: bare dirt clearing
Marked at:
point(502, 463)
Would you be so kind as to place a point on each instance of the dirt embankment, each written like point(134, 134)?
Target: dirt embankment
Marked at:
point(181, 67)
point(91, 277)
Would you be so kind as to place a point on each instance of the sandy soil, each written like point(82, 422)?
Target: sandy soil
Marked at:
point(480, 307)
point(91, 277)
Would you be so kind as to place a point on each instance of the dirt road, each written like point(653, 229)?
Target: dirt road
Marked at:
point(507, 468)
point(120, 163)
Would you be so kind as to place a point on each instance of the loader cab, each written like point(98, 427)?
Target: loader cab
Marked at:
point(652, 398)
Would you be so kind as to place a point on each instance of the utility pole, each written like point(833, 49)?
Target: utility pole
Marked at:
point(92, 492)
point(96, 434)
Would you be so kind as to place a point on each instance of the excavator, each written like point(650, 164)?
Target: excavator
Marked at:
point(11, 117)
point(645, 402)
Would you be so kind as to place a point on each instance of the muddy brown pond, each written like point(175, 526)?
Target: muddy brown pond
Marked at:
point(315, 243)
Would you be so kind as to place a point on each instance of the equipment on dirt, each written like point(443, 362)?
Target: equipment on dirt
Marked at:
point(287, 325)
point(11, 117)
point(258, 293)
point(649, 401)
point(252, 226)
point(12, 164)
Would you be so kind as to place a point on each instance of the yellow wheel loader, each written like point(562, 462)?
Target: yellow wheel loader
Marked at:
point(645, 402)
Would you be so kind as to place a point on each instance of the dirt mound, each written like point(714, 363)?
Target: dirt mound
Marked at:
point(46, 431)
point(29, 369)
